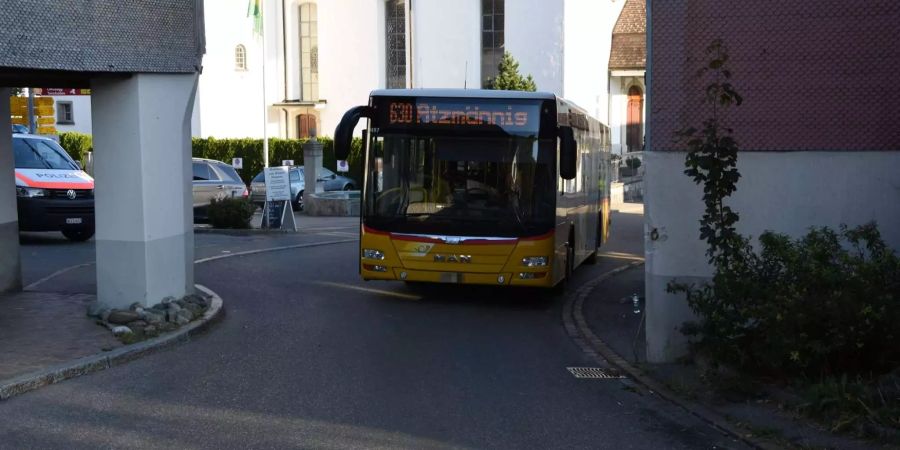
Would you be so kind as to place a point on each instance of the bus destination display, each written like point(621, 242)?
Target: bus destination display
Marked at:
point(431, 113)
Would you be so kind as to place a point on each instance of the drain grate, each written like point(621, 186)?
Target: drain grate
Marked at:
point(595, 373)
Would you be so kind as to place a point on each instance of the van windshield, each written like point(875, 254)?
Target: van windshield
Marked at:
point(41, 154)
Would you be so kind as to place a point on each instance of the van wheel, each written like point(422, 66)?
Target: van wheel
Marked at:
point(78, 235)
point(298, 202)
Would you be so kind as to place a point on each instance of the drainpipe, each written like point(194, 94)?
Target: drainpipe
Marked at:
point(284, 47)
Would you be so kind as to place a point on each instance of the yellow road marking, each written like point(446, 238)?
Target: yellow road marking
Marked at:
point(370, 290)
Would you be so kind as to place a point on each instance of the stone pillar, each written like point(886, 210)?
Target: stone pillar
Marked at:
point(10, 267)
point(144, 206)
point(312, 166)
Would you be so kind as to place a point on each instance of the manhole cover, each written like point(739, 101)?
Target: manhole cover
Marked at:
point(595, 372)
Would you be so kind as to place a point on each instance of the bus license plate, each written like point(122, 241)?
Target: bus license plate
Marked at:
point(450, 277)
point(73, 221)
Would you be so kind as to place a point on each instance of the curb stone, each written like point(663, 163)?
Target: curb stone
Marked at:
point(580, 332)
point(243, 231)
point(121, 355)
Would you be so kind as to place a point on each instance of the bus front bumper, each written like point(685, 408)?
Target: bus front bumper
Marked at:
point(540, 278)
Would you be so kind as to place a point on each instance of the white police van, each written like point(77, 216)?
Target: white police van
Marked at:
point(52, 192)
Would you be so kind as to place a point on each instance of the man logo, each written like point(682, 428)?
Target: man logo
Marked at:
point(462, 259)
point(71, 194)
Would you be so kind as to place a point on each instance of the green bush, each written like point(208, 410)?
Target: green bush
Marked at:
point(825, 304)
point(230, 213)
point(279, 149)
point(77, 144)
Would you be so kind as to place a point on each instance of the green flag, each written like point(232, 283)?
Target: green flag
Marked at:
point(254, 10)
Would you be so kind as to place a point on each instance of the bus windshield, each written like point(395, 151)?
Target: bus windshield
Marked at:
point(462, 186)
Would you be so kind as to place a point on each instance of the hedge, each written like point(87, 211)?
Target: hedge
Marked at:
point(77, 144)
point(279, 149)
point(250, 150)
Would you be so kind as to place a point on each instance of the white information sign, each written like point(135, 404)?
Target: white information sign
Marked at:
point(237, 163)
point(278, 184)
point(342, 166)
point(287, 162)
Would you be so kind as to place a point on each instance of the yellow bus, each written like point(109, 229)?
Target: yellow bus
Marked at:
point(478, 186)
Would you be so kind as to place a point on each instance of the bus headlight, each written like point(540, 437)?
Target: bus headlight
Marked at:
point(534, 261)
point(369, 253)
point(375, 268)
point(30, 192)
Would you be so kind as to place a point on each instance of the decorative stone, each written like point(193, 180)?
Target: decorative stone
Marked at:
point(137, 323)
point(181, 320)
point(121, 330)
point(153, 316)
point(150, 329)
point(167, 300)
point(186, 314)
point(195, 309)
point(104, 315)
point(134, 306)
point(120, 317)
point(174, 307)
point(171, 315)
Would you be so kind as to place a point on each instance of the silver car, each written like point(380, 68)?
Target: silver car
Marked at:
point(328, 181)
point(214, 180)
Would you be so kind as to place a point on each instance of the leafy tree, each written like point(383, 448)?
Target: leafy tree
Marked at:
point(509, 78)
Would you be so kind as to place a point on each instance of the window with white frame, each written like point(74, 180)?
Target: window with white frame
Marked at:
point(240, 57)
point(309, 52)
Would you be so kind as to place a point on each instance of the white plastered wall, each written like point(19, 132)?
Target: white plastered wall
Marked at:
point(351, 56)
point(81, 113)
point(446, 44)
point(534, 36)
point(230, 101)
point(787, 192)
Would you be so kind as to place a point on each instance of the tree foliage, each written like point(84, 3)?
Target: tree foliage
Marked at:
point(508, 77)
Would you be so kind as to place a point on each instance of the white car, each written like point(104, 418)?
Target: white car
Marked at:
point(214, 180)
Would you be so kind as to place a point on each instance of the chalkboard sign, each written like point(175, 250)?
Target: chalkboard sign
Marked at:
point(274, 213)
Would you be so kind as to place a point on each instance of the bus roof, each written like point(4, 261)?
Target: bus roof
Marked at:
point(462, 93)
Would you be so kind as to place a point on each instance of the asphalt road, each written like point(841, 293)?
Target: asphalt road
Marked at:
point(310, 356)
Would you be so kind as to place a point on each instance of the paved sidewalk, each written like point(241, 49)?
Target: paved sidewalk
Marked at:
point(42, 329)
point(610, 313)
point(305, 223)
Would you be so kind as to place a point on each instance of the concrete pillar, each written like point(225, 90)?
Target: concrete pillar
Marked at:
point(144, 207)
point(312, 166)
point(10, 267)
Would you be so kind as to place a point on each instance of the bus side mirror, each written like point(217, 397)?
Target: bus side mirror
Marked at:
point(343, 134)
point(568, 153)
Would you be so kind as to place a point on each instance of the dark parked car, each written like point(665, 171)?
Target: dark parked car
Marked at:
point(328, 181)
point(214, 180)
